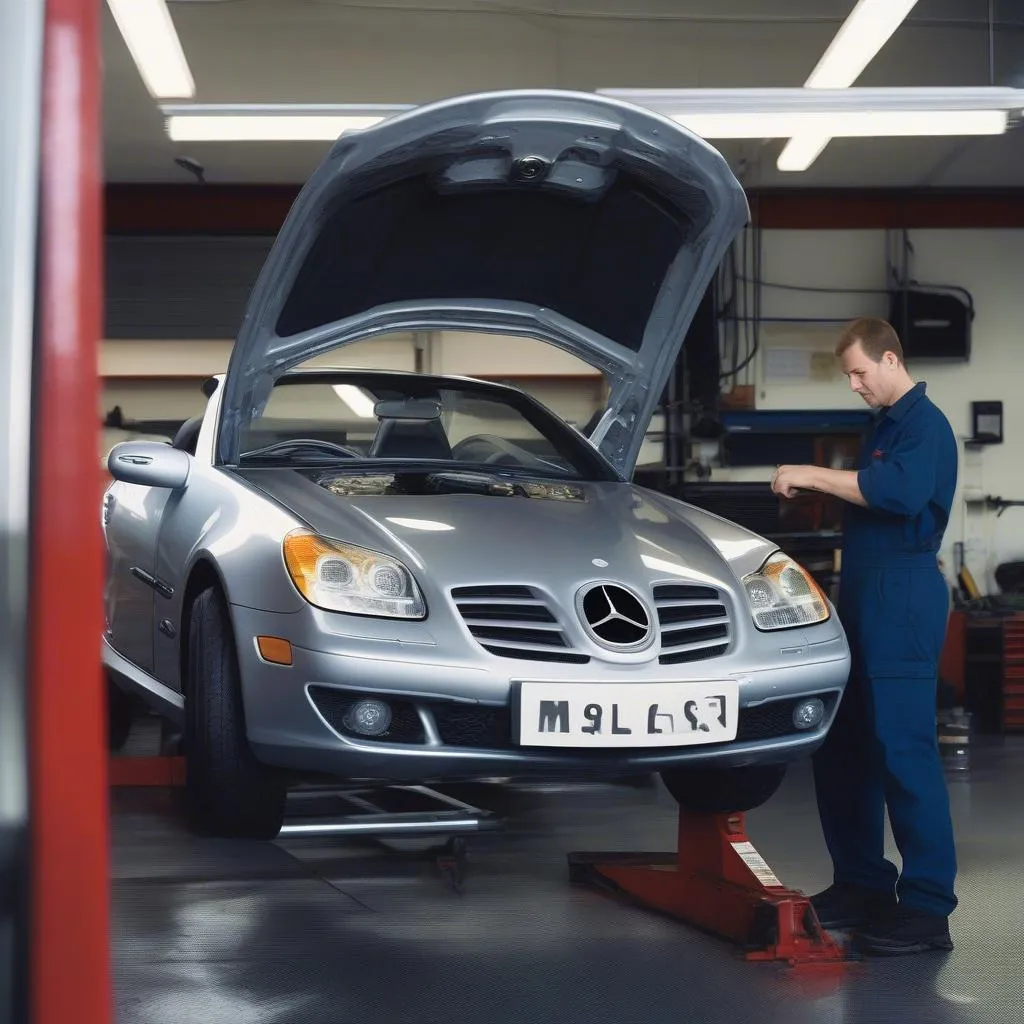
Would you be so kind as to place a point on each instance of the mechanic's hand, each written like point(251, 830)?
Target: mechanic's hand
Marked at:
point(790, 480)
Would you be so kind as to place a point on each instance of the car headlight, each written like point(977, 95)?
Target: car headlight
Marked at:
point(783, 594)
point(345, 578)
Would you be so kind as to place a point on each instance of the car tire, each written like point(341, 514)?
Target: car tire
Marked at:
point(120, 716)
point(723, 790)
point(228, 792)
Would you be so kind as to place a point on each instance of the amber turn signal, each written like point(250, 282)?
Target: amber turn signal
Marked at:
point(274, 650)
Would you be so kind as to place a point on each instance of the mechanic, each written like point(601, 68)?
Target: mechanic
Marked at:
point(882, 750)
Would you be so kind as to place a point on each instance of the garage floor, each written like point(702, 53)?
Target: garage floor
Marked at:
point(348, 931)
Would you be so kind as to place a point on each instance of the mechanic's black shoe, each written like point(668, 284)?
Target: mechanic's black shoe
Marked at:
point(904, 930)
point(850, 906)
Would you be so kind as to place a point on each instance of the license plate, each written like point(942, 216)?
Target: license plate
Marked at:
point(595, 715)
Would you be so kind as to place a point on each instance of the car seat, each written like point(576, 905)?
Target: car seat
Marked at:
point(187, 437)
point(411, 439)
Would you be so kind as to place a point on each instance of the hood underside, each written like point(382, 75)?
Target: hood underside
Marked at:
point(576, 219)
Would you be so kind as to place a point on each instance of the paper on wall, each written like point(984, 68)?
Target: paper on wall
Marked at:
point(787, 365)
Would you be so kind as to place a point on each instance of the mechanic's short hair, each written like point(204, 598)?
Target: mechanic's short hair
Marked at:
point(876, 337)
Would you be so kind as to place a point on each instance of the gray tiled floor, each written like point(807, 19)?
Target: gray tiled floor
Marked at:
point(330, 931)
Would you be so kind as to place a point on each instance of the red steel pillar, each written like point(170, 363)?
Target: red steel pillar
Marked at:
point(70, 940)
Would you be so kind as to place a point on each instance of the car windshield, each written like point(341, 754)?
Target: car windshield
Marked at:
point(368, 420)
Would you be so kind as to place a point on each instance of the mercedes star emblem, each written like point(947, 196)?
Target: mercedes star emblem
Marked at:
point(615, 617)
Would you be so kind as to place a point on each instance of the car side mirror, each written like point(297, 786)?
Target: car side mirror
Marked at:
point(149, 463)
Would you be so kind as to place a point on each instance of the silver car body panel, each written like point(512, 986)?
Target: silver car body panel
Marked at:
point(638, 210)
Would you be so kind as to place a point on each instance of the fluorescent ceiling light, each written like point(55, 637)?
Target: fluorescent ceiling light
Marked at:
point(868, 28)
point(710, 113)
point(263, 129)
point(356, 399)
point(674, 102)
point(846, 124)
point(149, 34)
point(802, 150)
point(271, 122)
point(816, 115)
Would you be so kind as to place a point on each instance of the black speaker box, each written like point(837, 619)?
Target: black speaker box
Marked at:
point(932, 324)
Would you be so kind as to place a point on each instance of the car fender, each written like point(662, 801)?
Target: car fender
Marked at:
point(245, 548)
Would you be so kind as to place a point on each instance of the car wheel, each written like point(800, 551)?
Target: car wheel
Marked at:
point(228, 792)
point(723, 790)
point(120, 716)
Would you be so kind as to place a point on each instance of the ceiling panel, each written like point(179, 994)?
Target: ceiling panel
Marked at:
point(419, 50)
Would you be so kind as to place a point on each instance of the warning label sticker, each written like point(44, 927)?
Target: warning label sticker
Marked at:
point(757, 864)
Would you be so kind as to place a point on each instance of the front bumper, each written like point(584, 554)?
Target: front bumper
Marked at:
point(453, 719)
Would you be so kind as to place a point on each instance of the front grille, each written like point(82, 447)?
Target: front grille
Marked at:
point(464, 725)
point(514, 622)
point(694, 622)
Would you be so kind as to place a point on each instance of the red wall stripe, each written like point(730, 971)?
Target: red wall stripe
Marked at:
point(261, 209)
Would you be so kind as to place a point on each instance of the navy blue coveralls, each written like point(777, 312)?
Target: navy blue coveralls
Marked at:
point(894, 604)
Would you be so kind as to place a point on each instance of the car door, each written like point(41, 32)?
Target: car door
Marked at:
point(131, 523)
point(580, 220)
point(181, 526)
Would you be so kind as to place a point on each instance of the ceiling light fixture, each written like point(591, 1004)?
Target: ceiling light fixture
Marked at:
point(867, 100)
point(710, 113)
point(814, 113)
point(272, 122)
point(868, 28)
point(812, 126)
point(802, 150)
point(149, 34)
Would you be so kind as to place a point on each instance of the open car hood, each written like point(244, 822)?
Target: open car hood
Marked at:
point(586, 222)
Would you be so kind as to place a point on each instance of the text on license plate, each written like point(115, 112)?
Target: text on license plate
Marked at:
point(586, 715)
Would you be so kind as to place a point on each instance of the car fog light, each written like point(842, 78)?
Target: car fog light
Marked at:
point(369, 717)
point(808, 714)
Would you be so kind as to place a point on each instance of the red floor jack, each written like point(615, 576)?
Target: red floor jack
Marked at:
point(718, 882)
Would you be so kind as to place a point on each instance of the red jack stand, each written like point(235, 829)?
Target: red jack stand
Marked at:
point(720, 883)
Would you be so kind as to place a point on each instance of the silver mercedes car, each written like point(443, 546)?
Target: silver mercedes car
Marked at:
point(402, 577)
